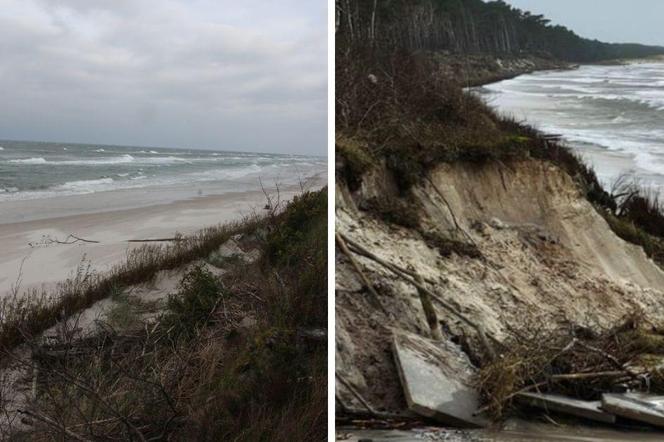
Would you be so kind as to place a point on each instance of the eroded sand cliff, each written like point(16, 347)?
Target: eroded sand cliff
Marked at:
point(547, 256)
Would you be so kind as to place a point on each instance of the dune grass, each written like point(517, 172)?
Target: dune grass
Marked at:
point(224, 361)
point(25, 315)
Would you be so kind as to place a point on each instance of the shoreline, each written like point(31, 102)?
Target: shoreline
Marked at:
point(556, 65)
point(30, 209)
point(34, 260)
point(613, 153)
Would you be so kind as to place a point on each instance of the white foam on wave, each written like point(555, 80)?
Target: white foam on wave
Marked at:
point(101, 161)
point(85, 186)
point(2, 148)
point(649, 162)
point(163, 160)
point(621, 119)
point(29, 161)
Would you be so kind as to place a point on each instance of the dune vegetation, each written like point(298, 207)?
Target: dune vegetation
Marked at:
point(235, 354)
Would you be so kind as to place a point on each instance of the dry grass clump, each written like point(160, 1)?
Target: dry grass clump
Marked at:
point(24, 315)
point(393, 210)
point(224, 361)
point(637, 216)
point(574, 361)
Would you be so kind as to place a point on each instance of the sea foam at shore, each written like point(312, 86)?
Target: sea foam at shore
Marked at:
point(612, 115)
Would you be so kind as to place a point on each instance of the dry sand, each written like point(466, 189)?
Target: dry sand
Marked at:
point(23, 259)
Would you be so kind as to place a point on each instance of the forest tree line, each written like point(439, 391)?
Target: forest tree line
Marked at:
point(468, 26)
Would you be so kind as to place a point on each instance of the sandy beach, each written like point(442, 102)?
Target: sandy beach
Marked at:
point(30, 259)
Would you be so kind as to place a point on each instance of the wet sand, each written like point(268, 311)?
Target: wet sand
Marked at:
point(29, 259)
point(519, 431)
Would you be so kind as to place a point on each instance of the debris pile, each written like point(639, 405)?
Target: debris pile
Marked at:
point(571, 369)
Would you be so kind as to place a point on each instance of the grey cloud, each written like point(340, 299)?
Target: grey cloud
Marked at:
point(165, 72)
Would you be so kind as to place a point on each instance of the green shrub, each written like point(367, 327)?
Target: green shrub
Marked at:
point(192, 307)
point(355, 161)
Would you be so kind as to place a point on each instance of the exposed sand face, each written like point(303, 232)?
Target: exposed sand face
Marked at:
point(37, 265)
point(547, 253)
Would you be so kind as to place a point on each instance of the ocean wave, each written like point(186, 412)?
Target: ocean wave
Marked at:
point(228, 175)
point(102, 161)
point(2, 148)
point(163, 160)
point(85, 185)
point(29, 161)
point(621, 119)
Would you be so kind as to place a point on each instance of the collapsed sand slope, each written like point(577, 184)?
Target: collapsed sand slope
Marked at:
point(547, 256)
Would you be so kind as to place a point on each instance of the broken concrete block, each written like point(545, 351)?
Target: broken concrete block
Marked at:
point(436, 379)
point(637, 408)
point(573, 407)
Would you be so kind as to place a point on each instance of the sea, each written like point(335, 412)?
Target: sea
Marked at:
point(613, 116)
point(41, 170)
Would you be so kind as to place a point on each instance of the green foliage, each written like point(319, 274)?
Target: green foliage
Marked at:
point(355, 161)
point(193, 305)
point(297, 226)
point(297, 245)
point(121, 315)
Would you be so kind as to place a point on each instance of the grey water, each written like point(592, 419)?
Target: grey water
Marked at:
point(38, 170)
point(612, 115)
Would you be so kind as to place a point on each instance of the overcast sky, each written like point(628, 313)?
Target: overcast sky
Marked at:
point(231, 75)
point(633, 21)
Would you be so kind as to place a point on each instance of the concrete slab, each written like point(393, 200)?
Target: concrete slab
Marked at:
point(436, 379)
point(633, 407)
point(655, 401)
point(573, 407)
